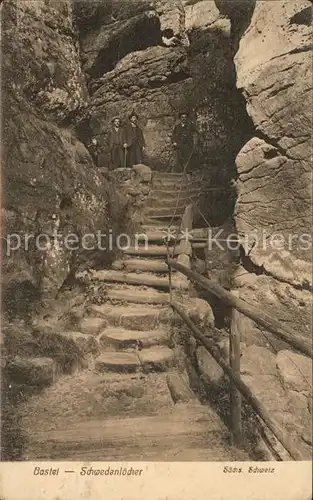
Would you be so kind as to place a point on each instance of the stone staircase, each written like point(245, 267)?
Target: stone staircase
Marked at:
point(134, 404)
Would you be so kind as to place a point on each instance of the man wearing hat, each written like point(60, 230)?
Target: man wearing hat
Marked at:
point(134, 141)
point(184, 140)
point(116, 141)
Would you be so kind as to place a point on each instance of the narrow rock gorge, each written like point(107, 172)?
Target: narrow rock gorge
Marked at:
point(99, 318)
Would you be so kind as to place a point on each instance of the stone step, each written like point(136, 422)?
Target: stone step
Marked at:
point(185, 432)
point(152, 236)
point(160, 218)
point(157, 358)
point(150, 265)
point(160, 251)
point(171, 201)
point(172, 193)
point(164, 211)
point(139, 318)
point(118, 362)
point(172, 183)
point(119, 338)
point(141, 279)
point(159, 227)
point(137, 296)
point(152, 250)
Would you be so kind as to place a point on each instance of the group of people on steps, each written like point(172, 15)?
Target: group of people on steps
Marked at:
point(126, 142)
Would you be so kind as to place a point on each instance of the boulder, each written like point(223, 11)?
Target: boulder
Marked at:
point(86, 343)
point(201, 313)
point(204, 14)
point(295, 370)
point(142, 173)
point(39, 372)
point(179, 389)
point(210, 370)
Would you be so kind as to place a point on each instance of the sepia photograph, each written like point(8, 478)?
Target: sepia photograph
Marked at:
point(156, 264)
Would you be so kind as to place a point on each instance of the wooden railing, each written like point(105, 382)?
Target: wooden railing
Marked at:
point(232, 370)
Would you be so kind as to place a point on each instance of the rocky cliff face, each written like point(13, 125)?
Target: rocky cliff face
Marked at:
point(274, 73)
point(274, 199)
point(51, 187)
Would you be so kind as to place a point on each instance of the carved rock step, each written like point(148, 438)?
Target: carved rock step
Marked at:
point(137, 296)
point(172, 193)
point(155, 227)
point(153, 236)
point(169, 216)
point(152, 250)
point(120, 362)
point(164, 211)
point(150, 265)
point(156, 201)
point(119, 338)
point(160, 250)
point(139, 318)
point(158, 358)
point(176, 184)
point(143, 279)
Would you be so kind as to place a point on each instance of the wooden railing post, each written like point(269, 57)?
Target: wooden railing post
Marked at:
point(234, 361)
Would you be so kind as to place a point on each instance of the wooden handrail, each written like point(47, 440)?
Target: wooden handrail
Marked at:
point(256, 404)
point(272, 325)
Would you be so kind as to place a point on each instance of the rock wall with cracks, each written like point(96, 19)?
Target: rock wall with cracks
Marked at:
point(274, 200)
point(50, 182)
point(273, 209)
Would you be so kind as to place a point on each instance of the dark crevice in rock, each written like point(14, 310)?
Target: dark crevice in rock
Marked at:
point(177, 77)
point(305, 48)
point(273, 93)
point(240, 13)
point(269, 155)
point(271, 142)
point(134, 35)
point(303, 17)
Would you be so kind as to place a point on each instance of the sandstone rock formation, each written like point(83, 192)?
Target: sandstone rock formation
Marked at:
point(51, 186)
point(273, 209)
point(274, 188)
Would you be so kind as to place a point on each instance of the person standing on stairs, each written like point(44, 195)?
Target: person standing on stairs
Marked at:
point(116, 141)
point(134, 141)
point(184, 140)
